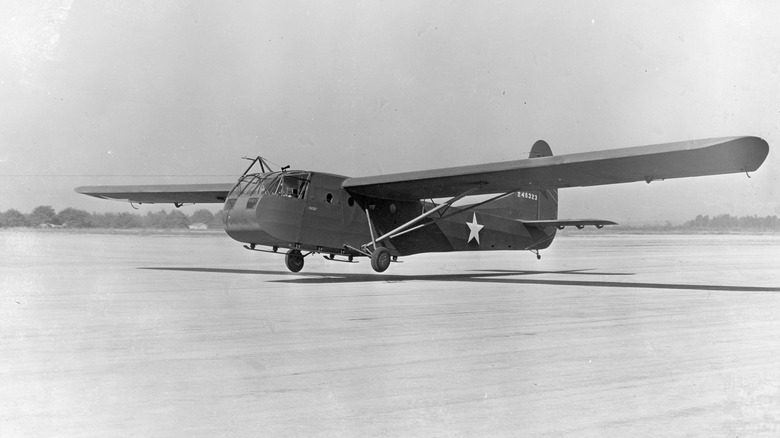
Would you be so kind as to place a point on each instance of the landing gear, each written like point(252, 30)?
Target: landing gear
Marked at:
point(294, 260)
point(380, 259)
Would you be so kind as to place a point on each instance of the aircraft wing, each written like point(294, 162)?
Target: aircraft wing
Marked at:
point(644, 163)
point(166, 193)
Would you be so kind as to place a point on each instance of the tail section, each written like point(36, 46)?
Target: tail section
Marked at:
point(547, 217)
point(531, 205)
point(525, 219)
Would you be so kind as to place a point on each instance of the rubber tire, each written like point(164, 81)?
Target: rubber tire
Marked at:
point(380, 259)
point(294, 260)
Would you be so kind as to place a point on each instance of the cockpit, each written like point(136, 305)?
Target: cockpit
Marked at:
point(288, 184)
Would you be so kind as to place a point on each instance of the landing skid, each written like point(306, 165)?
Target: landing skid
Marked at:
point(294, 258)
point(332, 258)
point(252, 248)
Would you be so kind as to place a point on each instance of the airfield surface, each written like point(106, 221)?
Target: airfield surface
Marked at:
point(190, 335)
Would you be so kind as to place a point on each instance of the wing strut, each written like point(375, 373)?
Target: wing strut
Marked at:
point(371, 229)
point(408, 224)
point(452, 213)
point(471, 207)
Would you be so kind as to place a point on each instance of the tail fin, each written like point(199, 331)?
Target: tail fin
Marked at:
point(540, 149)
point(531, 204)
point(548, 198)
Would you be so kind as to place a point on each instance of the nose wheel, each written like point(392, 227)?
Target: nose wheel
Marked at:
point(294, 260)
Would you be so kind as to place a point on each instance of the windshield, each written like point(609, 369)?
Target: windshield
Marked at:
point(250, 184)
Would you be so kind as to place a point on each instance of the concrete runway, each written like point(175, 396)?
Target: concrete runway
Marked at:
point(190, 335)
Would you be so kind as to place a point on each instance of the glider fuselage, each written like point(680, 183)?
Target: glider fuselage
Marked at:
point(310, 211)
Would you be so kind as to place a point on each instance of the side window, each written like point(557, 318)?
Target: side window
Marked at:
point(252, 203)
point(303, 184)
point(288, 185)
point(292, 185)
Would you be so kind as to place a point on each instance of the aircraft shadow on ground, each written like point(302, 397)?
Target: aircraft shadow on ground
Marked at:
point(485, 276)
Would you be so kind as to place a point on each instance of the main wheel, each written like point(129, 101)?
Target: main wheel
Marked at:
point(380, 259)
point(294, 260)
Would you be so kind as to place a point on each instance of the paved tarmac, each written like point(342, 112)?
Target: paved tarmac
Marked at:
point(190, 335)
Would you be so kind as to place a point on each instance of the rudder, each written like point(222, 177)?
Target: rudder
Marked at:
point(547, 208)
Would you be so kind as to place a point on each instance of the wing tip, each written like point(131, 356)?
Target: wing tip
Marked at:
point(754, 151)
point(88, 190)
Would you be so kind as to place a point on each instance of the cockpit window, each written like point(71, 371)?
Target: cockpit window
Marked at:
point(293, 185)
point(261, 186)
point(242, 183)
point(253, 184)
point(272, 185)
point(245, 185)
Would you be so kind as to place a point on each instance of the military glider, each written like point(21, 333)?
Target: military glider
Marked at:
point(384, 217)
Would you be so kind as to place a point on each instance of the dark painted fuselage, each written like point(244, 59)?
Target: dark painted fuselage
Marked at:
point(310, 211)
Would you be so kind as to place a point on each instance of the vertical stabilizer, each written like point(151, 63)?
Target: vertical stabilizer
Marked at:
point(548, 198)
point(540, 149)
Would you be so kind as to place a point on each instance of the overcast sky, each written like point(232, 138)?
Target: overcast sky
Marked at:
point(130, 92)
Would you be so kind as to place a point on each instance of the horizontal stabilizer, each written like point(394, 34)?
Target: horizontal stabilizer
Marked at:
point(561, 223)
point(162, 194)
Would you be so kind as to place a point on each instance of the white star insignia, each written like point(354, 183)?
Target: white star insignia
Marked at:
point(474, 228)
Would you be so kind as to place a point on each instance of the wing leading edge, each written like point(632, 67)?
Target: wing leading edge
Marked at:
point(644, 163)
point(165, 193)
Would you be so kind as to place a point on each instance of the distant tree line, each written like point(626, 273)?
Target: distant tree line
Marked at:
point(705, 224)
point(728, 222)
point(46, 216)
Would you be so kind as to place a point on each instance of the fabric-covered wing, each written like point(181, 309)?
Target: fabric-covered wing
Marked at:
point(165, 193)
point(644, 163)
